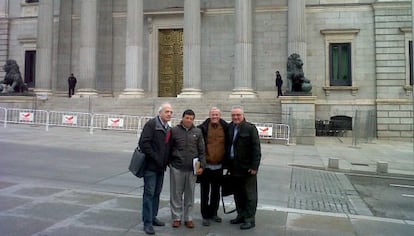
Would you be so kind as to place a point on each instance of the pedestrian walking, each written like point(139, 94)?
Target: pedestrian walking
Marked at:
point(279, 83)
point(153, 143)
point(72, 84)
point(214, 131)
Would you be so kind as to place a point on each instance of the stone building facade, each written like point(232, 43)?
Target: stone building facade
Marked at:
point(356, 52)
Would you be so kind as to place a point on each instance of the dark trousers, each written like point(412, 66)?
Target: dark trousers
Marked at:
point(71, 91)
point(151, 198)
point(245, 197)
point(279, 91)
point(210, 192)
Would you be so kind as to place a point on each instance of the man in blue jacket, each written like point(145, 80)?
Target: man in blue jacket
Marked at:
point(153, 143)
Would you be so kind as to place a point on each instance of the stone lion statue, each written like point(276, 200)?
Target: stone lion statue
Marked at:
point(296, 78)
point(13, 78)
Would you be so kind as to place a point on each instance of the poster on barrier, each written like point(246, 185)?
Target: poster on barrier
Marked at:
point(266, 132)
point(116, 122)
point(69, 119)
point(26, 116)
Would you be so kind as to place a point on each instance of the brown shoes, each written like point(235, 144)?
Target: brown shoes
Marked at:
point(176, 223)
point(189, 224)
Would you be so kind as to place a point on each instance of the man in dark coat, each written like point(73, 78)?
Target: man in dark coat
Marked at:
point(186, 150)
point(244, 156)
point(153, 143)
point(279, 83)
point(72, 84)
point(214, 132)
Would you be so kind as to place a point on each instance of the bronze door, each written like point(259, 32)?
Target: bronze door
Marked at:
point(170, 62)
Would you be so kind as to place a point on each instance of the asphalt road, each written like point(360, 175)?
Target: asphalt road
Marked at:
point(386, 197)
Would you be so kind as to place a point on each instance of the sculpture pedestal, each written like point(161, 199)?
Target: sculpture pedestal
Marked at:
point(300, 116)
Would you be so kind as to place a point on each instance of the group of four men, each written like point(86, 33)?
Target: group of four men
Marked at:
point(216, 144)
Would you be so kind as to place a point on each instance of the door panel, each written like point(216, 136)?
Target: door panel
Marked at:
point(170, 81)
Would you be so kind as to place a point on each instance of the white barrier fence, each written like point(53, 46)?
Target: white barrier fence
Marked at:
point(3, 116)
point(92, 122)
point(69, 119)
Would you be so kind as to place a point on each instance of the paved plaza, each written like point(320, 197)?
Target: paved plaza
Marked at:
point(43, 193)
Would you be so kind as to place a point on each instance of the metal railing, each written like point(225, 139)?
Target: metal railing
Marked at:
point(117, 122)
point(27, 116)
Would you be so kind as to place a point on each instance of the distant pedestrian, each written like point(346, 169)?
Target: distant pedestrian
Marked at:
point(72, 84)
point(279, 83)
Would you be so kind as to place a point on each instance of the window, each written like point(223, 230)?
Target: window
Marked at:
point(410, 46)
point(340, 64)
point(31, 1)
point(30, 68)
point(340, 47)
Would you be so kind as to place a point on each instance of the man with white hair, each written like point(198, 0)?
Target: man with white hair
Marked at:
point(153, 143)
point(214, 131)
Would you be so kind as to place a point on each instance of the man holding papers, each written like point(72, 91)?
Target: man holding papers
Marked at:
point(186, 144)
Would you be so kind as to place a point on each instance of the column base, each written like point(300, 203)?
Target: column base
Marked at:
point(132, 93)
point(190, 93)
point(243, 93)
point(86, 93)
point(42, 94)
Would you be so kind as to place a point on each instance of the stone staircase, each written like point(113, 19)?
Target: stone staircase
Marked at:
point(259, 110)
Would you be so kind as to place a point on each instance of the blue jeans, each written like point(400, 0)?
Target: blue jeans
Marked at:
point(151, 198)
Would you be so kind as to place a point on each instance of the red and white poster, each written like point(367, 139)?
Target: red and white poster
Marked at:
point(69, 119)
point(265, 131)
point(116, 122)
point(26, 116)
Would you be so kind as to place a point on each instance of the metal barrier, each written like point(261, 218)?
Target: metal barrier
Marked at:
point(115, 122)
point(28, 116)
point(273, 131)
point(3, 116)
point(69, 119)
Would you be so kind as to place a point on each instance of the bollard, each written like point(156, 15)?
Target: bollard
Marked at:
point(333, 163)
point(382, 167)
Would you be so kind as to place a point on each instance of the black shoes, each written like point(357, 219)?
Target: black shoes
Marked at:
point(149, 229)
point(247, 225)
point(157, 222)
point(236, 221)
point(206, 222)
point(216, 219)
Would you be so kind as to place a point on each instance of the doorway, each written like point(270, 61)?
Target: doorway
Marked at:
point(170, 62)
point(30, 68)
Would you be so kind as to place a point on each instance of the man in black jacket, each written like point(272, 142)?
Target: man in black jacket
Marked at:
point(244, 156)
point(214, 132)
point(187, 147)
point(153, 143)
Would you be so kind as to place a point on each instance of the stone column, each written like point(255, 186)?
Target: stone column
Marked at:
point(243, 73)
point(87, 61)
point(297, 29)
point(192, 51)
point(44, 48)
point(134, 50)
